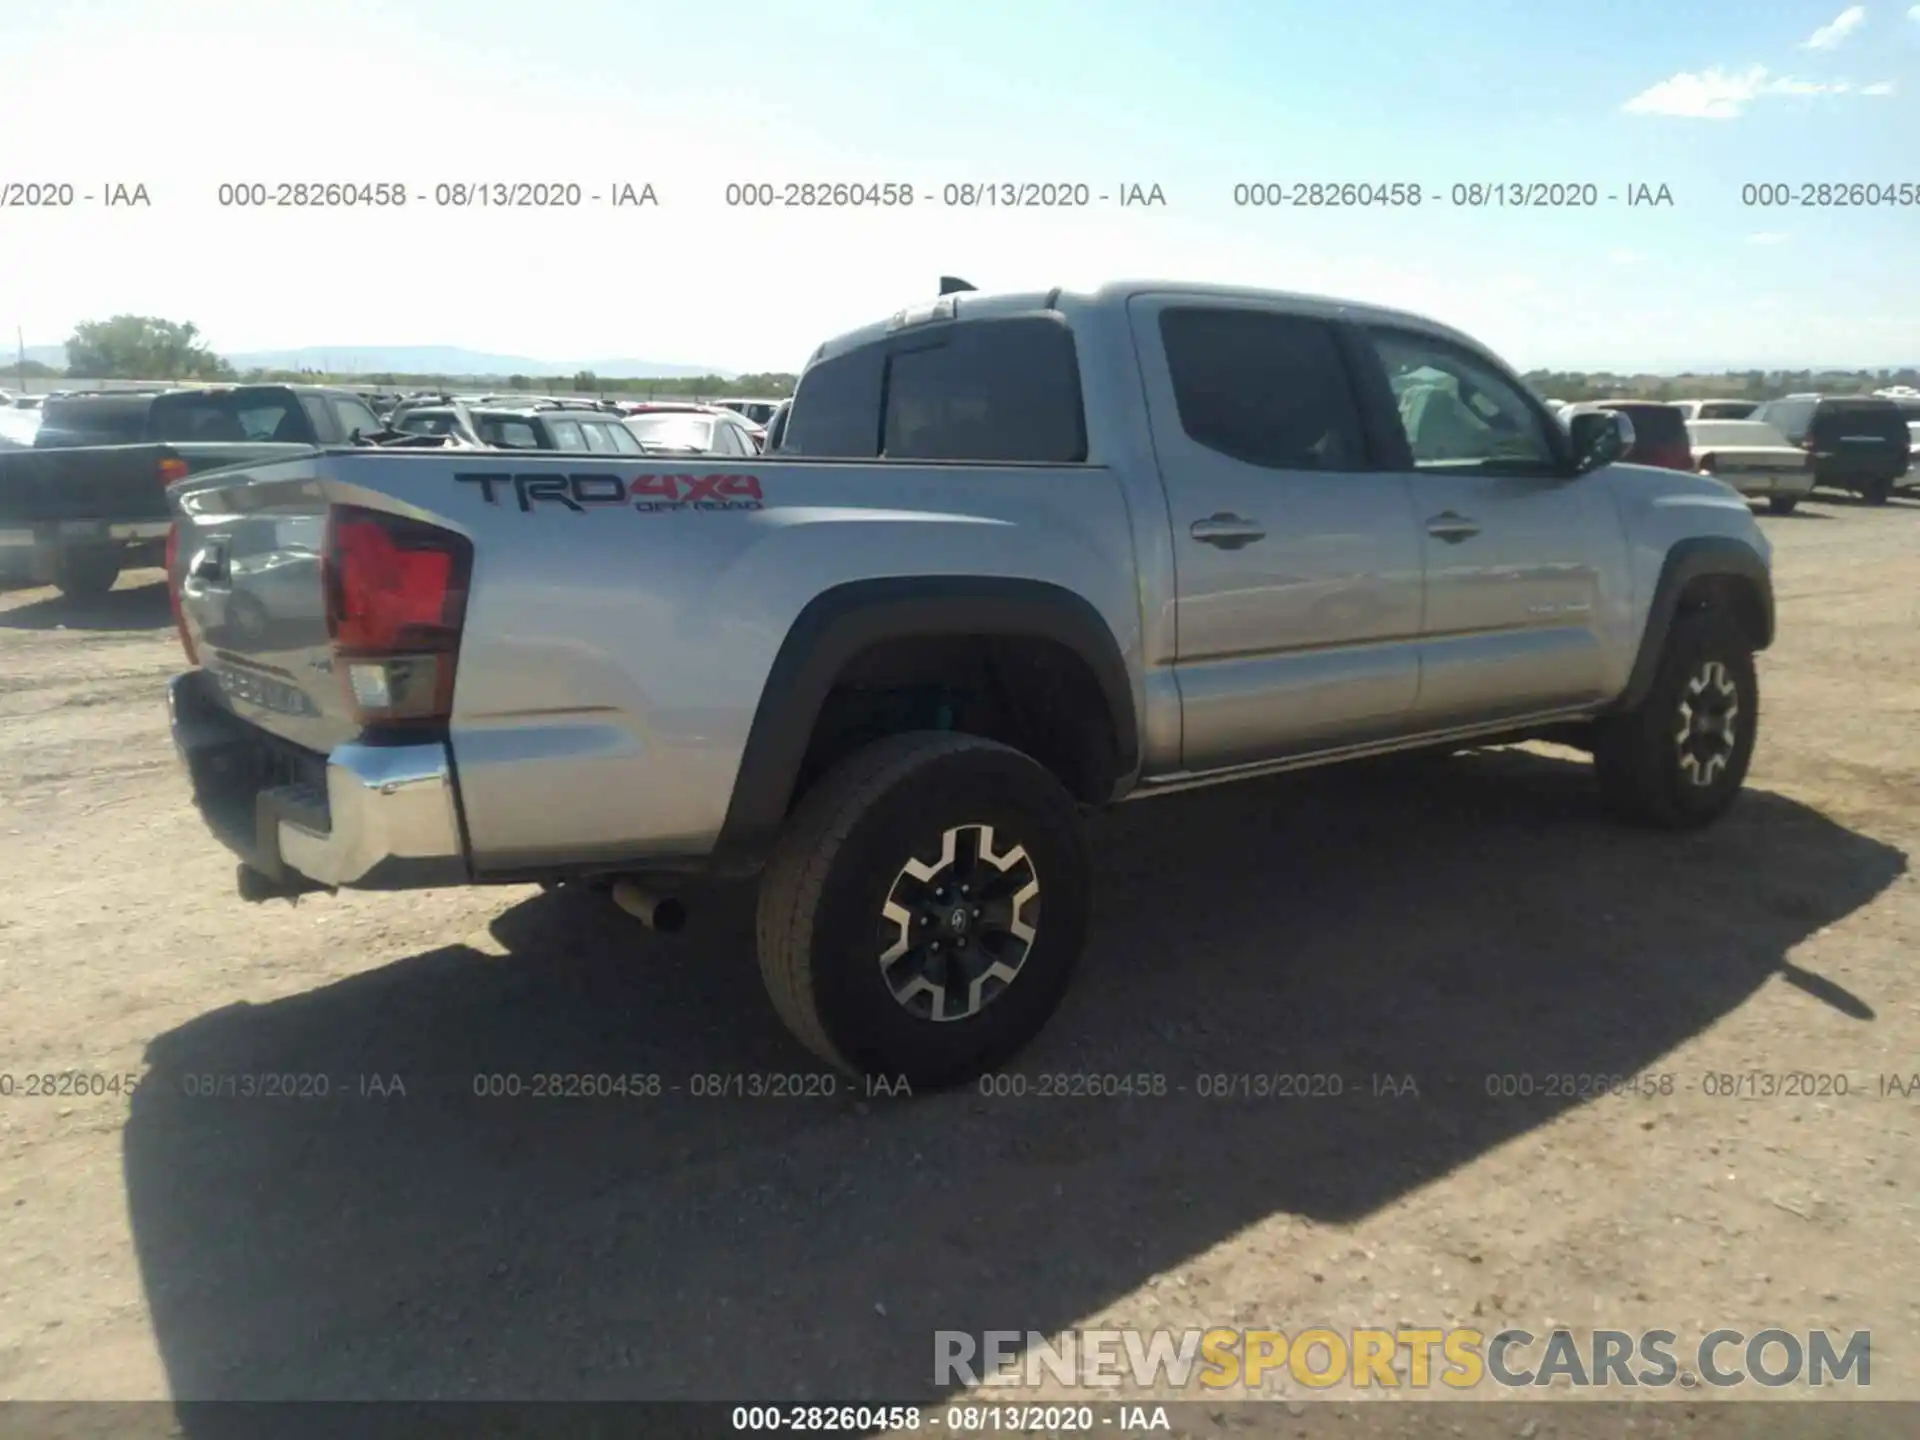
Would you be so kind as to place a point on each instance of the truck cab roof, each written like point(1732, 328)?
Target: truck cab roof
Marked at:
point(1115, 295)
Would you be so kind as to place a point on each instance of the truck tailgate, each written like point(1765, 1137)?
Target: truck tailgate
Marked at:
point(251, 587)
point(94, 482)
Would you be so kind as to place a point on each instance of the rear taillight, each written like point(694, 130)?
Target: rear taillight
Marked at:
point(173, 593)
point(172, 468)
point(396, 600)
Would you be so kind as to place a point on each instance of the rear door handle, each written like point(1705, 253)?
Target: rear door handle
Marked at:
point(1452, 528)
point(1227, 531)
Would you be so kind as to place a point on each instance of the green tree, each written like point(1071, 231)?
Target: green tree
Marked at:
point(519, 383)
point(142, 347)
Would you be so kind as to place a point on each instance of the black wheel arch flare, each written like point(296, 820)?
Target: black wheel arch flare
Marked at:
point(840, 623)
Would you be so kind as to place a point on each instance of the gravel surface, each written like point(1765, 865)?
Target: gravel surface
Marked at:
point(1432, 925)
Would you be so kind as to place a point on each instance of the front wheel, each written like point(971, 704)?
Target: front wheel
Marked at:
point(925, 907)
point(1678, 760)
point(1783, 504)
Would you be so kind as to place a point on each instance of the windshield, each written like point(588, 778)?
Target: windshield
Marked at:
point(675, 432)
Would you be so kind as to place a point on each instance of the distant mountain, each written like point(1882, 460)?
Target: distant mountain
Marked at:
point(447, 360)
point(452, 360)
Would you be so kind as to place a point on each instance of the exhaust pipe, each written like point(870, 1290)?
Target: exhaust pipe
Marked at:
point(656, 912)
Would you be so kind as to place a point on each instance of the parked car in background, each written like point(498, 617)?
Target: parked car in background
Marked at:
point(1856, 442)
point(452, 418)
point(1755, 459)
point(1659, 431)
point(777, 426)
point(1716, 409)
point(758, 411)
point(89, 499)
point(714, 432)
point(546, 425)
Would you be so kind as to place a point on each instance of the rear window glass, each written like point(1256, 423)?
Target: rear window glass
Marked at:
point(509, 434)
point(987, 391)
point(1655, 424)
point(1726, 409)
point(836, 410)
point(1866, 417)
point(428, 422)
point(93, 422)
point(230, 418)
point(1789, 417)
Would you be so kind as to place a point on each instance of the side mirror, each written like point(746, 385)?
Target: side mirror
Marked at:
point(1600, 437)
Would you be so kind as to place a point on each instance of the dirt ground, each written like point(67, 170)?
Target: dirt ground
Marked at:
point(1471, 919)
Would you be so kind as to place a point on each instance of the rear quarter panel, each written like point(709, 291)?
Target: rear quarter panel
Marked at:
point(614, 655)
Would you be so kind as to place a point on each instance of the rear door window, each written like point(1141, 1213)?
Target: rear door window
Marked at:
point(354, 415)
point(1263, 388)
point(321, 418)
point(598, 440)
point(566, 435)
point(509, 434)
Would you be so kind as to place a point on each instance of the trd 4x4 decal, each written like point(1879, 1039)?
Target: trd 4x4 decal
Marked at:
point(599, 489)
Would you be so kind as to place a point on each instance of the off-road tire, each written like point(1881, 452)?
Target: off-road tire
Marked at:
point(86, 573)
point(1783, 504)
point(1637, 754)
point(837, 864)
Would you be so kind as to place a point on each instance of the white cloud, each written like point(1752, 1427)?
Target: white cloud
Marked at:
point(1914, 13)
point(1767, 237)
point(1624, 257)
point(1717, 94)
point(1829, 35)
point(1880, 87)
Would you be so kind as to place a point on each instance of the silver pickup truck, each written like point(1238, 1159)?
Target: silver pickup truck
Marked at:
point(1017, 557)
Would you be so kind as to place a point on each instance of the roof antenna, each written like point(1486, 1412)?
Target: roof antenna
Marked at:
point(952, 284)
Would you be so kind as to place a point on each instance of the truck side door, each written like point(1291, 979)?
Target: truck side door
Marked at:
point(1297, 560)
point(1516, 545)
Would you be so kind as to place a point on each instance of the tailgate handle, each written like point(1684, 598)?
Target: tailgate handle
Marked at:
point(209, 563)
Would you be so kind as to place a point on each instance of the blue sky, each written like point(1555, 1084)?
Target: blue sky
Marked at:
point(1196, 97)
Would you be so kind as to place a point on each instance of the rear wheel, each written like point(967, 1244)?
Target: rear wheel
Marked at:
point(1876, 492)
point(1783, 504)
point(1679, 759)
point(86, 573)
point(925, 908)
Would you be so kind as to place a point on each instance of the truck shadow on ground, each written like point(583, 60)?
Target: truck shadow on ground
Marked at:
point(135, 604)
point(1450, 921)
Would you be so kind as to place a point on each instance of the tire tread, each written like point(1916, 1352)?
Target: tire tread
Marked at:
point(809, 846)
